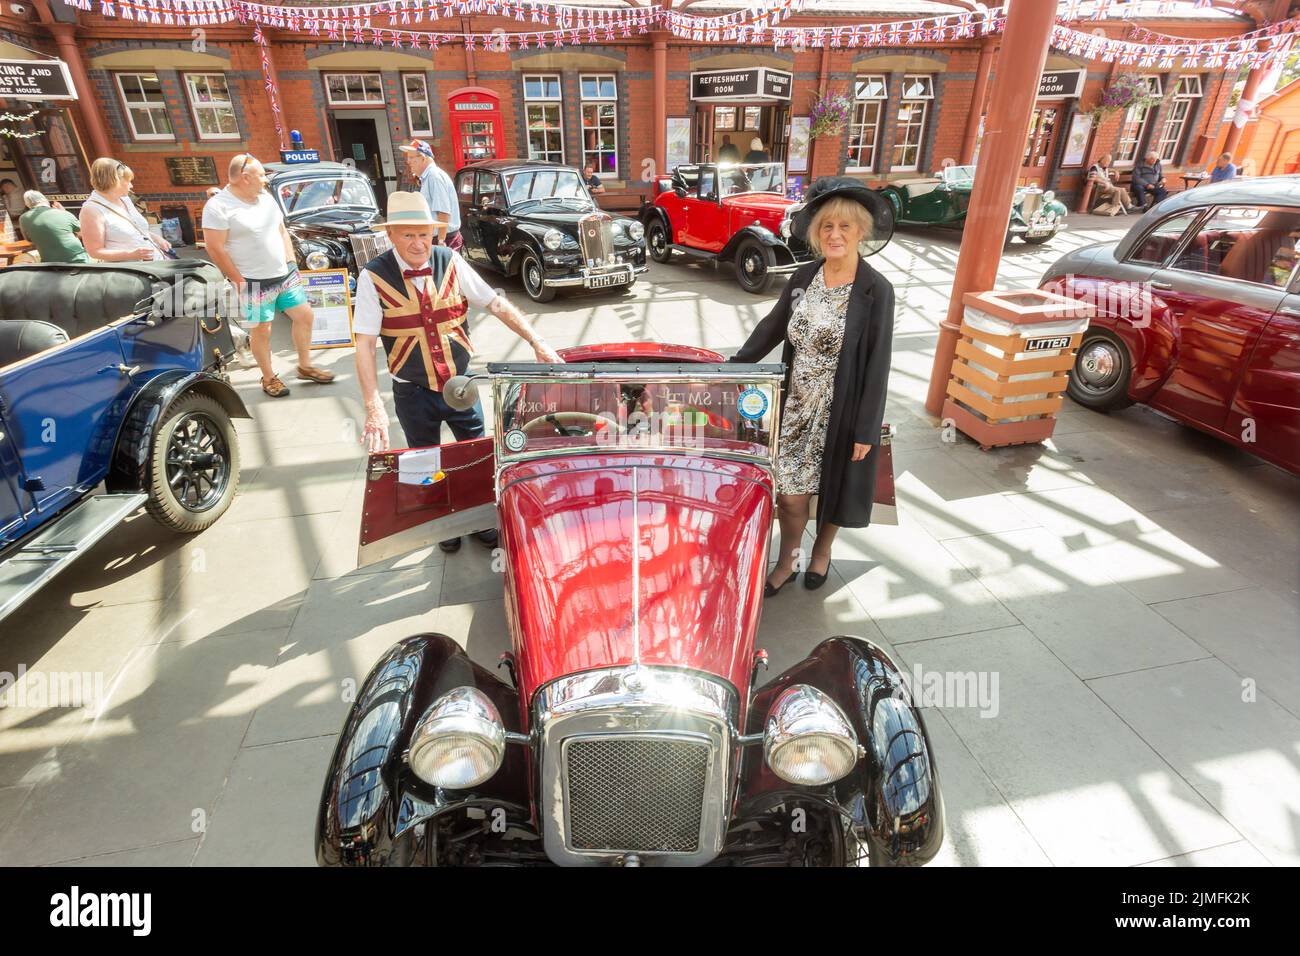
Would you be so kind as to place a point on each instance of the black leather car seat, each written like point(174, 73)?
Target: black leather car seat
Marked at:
point(23, 338)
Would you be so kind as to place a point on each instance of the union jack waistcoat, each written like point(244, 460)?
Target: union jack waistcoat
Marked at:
point(426, 337)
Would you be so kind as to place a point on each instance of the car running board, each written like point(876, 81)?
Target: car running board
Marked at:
point(694, 253)
point(24, 571)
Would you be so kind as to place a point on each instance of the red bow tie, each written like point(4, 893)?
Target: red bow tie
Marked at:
point(412, 273)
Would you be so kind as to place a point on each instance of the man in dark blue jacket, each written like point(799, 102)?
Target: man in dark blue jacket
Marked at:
point(1149, 182)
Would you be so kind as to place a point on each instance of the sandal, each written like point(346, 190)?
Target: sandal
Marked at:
point(275, 388)
point(313, 374)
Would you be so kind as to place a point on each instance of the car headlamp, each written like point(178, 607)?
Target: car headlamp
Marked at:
point(635, 231)
point(316, 260)
point(787, 228)
point(459, 742)
point(552, 239)
point(808, 740)
point(1049, 195)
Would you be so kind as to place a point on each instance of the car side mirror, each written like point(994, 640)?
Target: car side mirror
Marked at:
point(460, 392)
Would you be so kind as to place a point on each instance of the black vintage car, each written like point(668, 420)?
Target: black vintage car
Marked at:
point(329, 208)
point(538, 221)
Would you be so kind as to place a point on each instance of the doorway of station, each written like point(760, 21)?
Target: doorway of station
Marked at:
point(360, 140)
point(725, 131)
point(1040, 144)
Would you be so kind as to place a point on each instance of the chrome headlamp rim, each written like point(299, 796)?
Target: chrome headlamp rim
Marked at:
point(635, 231)
point(463, 716)
point(804, 717)
point(552, 239)
point(317, 259)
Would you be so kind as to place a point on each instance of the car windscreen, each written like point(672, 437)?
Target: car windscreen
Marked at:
point(760, 178)
point(302, 195)
point(529, 186)
point(959, 175)
point(732, 414)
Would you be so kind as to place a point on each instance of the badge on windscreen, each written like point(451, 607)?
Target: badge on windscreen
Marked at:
point(516, 440)
point(752, 404)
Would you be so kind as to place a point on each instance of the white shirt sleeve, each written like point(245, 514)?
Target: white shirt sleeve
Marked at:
point(215, 214)
point(476, 290)
point(367, 317)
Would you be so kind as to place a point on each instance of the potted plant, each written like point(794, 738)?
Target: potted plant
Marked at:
point(1128, 90)
point(829, 114)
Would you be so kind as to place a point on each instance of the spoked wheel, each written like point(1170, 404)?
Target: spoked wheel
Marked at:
point(753, 264)
point(194, 465)
point(657, 243)
point(1100, 375)
point(530, 271)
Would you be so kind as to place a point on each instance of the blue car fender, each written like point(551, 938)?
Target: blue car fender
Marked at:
point(129, 470)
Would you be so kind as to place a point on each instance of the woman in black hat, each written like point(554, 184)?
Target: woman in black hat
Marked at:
point(834, 322)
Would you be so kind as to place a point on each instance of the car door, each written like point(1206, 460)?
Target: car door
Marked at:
point(12, 513)
point(1265, 413)
point(1220, 292)
point(493, 220)
point(706, 226)
point(469, 233)
point(61, 412)
point(416, 497)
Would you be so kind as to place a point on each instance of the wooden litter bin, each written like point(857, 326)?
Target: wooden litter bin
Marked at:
point(1009, 373)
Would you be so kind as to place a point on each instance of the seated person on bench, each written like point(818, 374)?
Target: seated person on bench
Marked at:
point(1149, 182)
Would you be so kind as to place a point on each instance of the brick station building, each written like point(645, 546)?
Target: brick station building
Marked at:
point(174, 104)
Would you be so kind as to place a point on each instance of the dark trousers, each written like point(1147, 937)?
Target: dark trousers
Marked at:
point(422, 412)
point(1141, 191)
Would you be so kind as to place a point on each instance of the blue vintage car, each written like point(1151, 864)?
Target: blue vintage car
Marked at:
point(112, 396)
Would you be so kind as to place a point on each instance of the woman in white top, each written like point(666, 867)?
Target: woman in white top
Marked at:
point(111, 227)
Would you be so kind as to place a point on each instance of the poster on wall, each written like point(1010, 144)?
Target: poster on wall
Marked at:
point(679, 142)
point(331, 306)
point(794, 188)
point(1076, 144)
point(797, 151)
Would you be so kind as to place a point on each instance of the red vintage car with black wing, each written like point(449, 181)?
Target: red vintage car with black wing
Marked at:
point(634, 495)
point(1198, 315)
point(728, 212)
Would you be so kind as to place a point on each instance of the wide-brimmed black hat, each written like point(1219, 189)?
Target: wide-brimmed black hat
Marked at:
point(882, 213)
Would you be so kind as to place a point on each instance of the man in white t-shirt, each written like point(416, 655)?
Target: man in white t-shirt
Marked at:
point(247, 240)
point(416, 298)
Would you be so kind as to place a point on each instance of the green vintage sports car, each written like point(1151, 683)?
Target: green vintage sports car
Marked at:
point(1036, 216)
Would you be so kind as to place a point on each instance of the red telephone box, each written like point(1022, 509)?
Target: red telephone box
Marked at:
point(476, 129)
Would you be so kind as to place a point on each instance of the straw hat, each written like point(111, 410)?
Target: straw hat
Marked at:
point(408, 209)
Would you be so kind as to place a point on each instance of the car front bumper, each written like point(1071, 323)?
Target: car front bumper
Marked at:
point(580, 280)
point(1042, 228)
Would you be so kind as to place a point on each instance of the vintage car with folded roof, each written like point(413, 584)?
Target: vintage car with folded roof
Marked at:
point(942, 199)
point(627, 726)
point(112, 396)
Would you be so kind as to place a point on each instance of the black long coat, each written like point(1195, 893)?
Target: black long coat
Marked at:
point(861, 384)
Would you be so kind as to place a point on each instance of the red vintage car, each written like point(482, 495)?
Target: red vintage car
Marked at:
point(726, 212)
point(1198, 314)
point(634, 495)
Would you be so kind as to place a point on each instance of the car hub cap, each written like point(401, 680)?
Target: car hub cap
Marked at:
point(1099, 365)
point(534, 277)
point(657, 240)
point(197, 463)
point(753, 265)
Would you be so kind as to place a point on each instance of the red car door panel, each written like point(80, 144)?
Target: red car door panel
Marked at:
point(1265, 414)
point(706, 227)
point(412, 501)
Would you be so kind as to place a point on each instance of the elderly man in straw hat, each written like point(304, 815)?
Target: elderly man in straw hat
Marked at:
point(416, 298)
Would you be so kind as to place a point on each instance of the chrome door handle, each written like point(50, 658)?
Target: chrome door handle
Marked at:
point(1163, 286)
point(1294, 313)
point(125, 370)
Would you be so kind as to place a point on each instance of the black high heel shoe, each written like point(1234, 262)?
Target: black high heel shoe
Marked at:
point(769, 591)
point(812, 580)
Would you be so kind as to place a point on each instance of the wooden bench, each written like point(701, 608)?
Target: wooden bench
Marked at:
point(621, 203)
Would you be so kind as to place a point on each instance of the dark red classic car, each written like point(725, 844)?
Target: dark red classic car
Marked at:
point(634, 495)
point(727, 212)
point(1198, 314)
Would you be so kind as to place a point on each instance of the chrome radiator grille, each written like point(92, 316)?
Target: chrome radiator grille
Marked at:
point(367, 245)
point(640, 794)
point(596, 239)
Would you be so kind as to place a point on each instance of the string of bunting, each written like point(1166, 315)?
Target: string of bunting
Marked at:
point(268, 80)
point(378, 24)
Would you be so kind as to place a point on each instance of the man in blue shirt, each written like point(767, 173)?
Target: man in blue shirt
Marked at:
point(436, 188)
point(1149, 182)
point(1223, 170)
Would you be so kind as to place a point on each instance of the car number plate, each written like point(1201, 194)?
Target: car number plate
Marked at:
point(607, 279)
point(1043, 230)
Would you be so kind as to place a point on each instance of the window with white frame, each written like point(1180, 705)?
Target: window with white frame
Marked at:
point(869, 95)
point(917, 92)
point(146, 108)
point(418, 118)
point(600, 123)
point(543, 114)
point(214, 113)
point(1175, 126)
point(1135, 124)
point(354, 89)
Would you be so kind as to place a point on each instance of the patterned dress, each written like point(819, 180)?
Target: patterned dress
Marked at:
point(816, 332)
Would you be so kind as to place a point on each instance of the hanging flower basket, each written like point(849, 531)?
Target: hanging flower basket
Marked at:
point(828, 115)
point(1127, 91)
